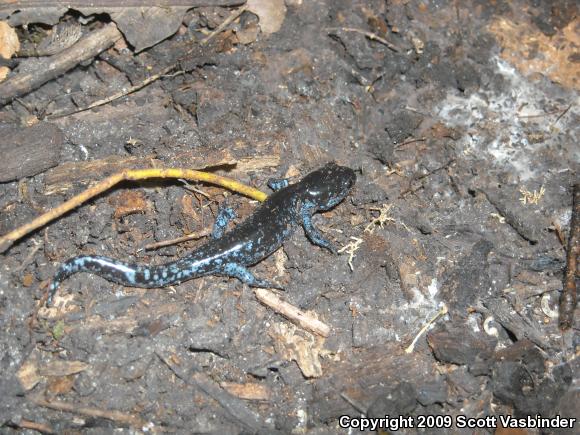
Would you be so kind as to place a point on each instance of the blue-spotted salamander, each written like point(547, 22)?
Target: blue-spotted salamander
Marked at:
point(229, 254)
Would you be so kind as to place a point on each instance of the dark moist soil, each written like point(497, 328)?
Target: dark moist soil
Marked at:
point(444, 132)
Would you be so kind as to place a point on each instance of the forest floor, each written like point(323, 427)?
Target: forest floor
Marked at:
point(461, 121)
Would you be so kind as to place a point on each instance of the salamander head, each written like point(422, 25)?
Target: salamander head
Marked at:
point(329, 185)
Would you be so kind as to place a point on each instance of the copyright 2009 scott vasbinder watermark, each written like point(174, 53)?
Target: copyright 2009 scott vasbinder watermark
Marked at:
point(458, 421)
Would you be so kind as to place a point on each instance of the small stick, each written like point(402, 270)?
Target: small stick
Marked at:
point(117, 95)
point(354, 403)
point(370, 35)
point(292, 313)
point(192, 236)
point(420, 177)
point(87, 48)
point(568, 297)
point(540, 115)
point(410, 141)
point(439, 313)
point(8, 240)
point(191, 188)
point(117, 416)
point(561, 115)
point(235, 14)
point(39, 427)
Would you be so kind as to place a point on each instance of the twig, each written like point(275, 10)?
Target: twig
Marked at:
point(117, 95)
point(192, 236)
point(561, 115)
point(39, 427)
point(553, 112)
point(439, 313)
point(191, 188)
point(8, 240)
point(362, 80)
point(87, 48)
point(117, 416)
point(354, 403)
point(412, 109)
point(234, 14)
point(539, 115)
point(420, 177)
point(410, 141)
point(370, 35)
point(292, 313)
point(568, 297)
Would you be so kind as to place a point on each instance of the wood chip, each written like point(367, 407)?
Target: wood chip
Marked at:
point(28, 151)
point(247, 391)
point(9, 44)
point(129, 202)
point(303, 348)
point(35, 370)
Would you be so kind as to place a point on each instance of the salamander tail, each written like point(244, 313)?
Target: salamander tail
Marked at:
point(108, 268)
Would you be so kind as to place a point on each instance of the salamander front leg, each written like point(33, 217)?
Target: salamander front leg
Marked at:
point(311, 231)
point(224, 215)
point(277, 183)
point(236, 270)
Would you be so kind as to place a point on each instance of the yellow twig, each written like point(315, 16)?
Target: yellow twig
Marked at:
point(8, 240)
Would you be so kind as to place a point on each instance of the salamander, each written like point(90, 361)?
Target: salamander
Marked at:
point(230, 253)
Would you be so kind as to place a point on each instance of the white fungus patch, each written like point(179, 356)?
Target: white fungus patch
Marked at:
point(500, 124)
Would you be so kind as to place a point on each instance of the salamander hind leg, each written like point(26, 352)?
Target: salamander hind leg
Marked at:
point(311, 231)
point(236, 270)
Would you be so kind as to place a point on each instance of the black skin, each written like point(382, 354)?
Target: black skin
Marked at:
point(250, 242)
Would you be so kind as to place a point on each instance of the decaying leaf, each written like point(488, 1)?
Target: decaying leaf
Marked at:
point(270, 12)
